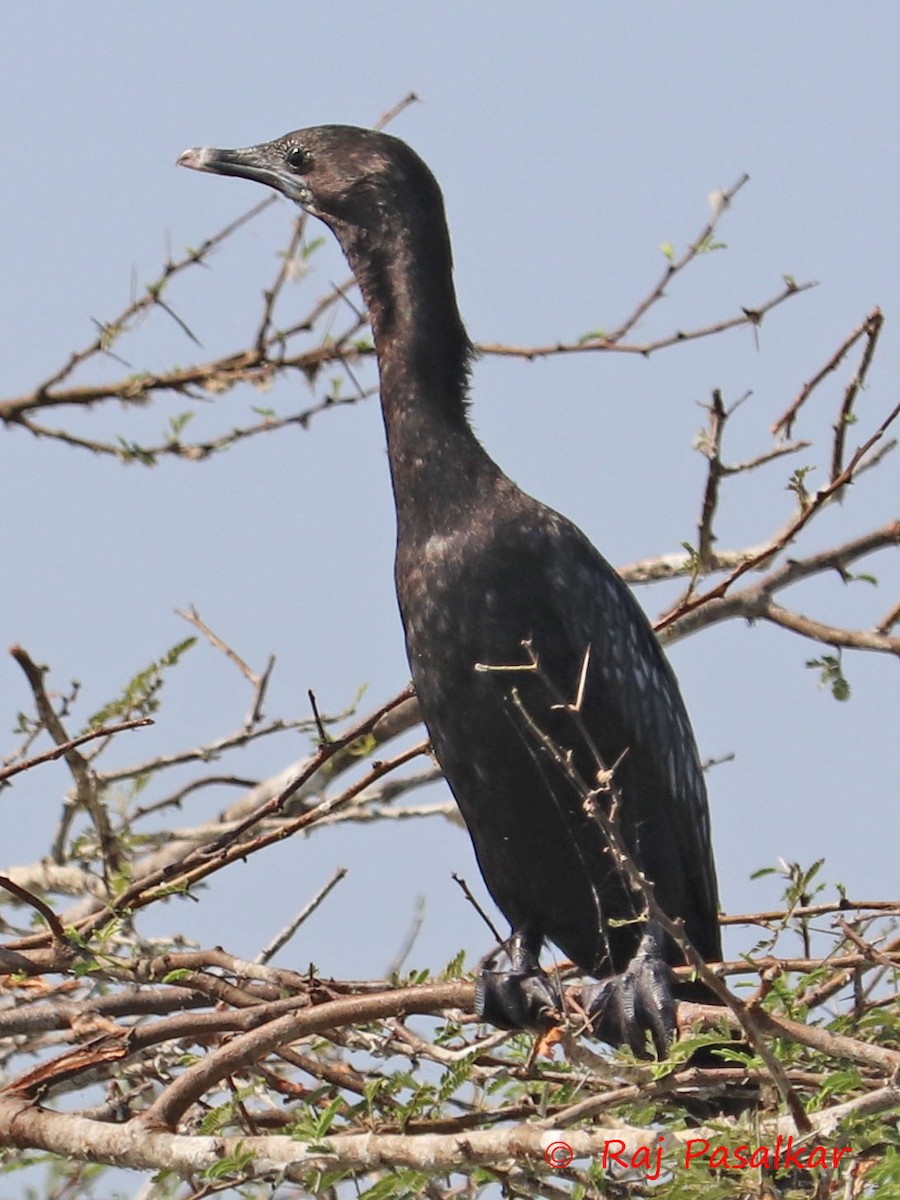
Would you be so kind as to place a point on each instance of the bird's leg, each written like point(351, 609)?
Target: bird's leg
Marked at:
point(625, 1008)
point(522, 997)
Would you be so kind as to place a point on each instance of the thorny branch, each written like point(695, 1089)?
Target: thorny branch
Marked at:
point(159, 1004)
point(86, 791)
point(702, 244)
point(104, 731)
point(174, 1036)
point(808, 509)
point(250, 1024)
point(182, 867)
point(870, 329)
point(272, 352)
point(179, 1038)
point(755, 602)
point(604, 788)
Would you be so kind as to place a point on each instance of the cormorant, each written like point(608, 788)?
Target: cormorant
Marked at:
point(511, 616)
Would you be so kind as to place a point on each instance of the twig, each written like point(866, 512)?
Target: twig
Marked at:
point(255, 715)
point(809, 910)
point(890, 619)
point(10, 411)
point(464, 887)
point(712, 448)
point(389, 721)
point(392, 113)
point(208, 751)
point(639, 884)
point(698, 246)
point(866, 948)
point(156, 1148)
point(873, 326)
point(835, 1045)
point(751, 317)
point(415, 927)
point(247, 1048)
point(807, 512)
point(65, 747)
point(284, 936)
point(270, 296)
point(56, 928)
point(207, 860)
point(855, 639)
point(752, 601)
point(785, 422)
point(86, 787)
point(197, 864)
point(324, 739)
point(193, 618)
point(710, 445)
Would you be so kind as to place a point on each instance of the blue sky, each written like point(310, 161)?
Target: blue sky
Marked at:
point(570, 144)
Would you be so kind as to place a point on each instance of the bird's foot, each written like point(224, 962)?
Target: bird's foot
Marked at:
point(517, 999)
point(625, 1008)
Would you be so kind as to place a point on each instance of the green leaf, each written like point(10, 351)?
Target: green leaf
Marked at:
point(308, 249)
point(831, 675)
point(693, 560)
point(132, 452)
point(797, 484)
point(454, 967)
point(138, 697)
point(708, 245)
point(178, 422)
point(236, 1164)
point(217, 1118)
point(763, 871)
point(861, 578)
point(398, 1183)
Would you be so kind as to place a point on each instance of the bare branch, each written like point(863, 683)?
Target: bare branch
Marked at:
point(103, 731)
point(831, 635)
point(245, 1049)
point(284, 936)
point(806, 513)
point(869, 328)
point(392, 113)
point(712, 448)
point(873, 326)
point(87, 792)
point(756, 601)
point(193, 618)
point(702, 244)
point(59, 934)
point(748, 317)
point(133, 1145)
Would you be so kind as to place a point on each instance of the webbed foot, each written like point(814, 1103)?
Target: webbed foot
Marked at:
point(516, 999)
point(522, 997)
point(625, 1008)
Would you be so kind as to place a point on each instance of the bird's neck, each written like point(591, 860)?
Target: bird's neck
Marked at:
point(438, 467)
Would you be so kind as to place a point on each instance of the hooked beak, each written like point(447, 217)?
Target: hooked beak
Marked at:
point(262, 164)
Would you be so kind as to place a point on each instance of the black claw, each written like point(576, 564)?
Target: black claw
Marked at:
point(625, 1008)
point(516, 999)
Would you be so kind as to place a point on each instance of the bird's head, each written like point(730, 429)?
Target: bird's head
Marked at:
point(353, 179)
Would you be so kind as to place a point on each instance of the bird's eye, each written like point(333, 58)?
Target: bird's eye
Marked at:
point(297, 160)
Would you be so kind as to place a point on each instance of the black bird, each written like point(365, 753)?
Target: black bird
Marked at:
point(534, 665)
